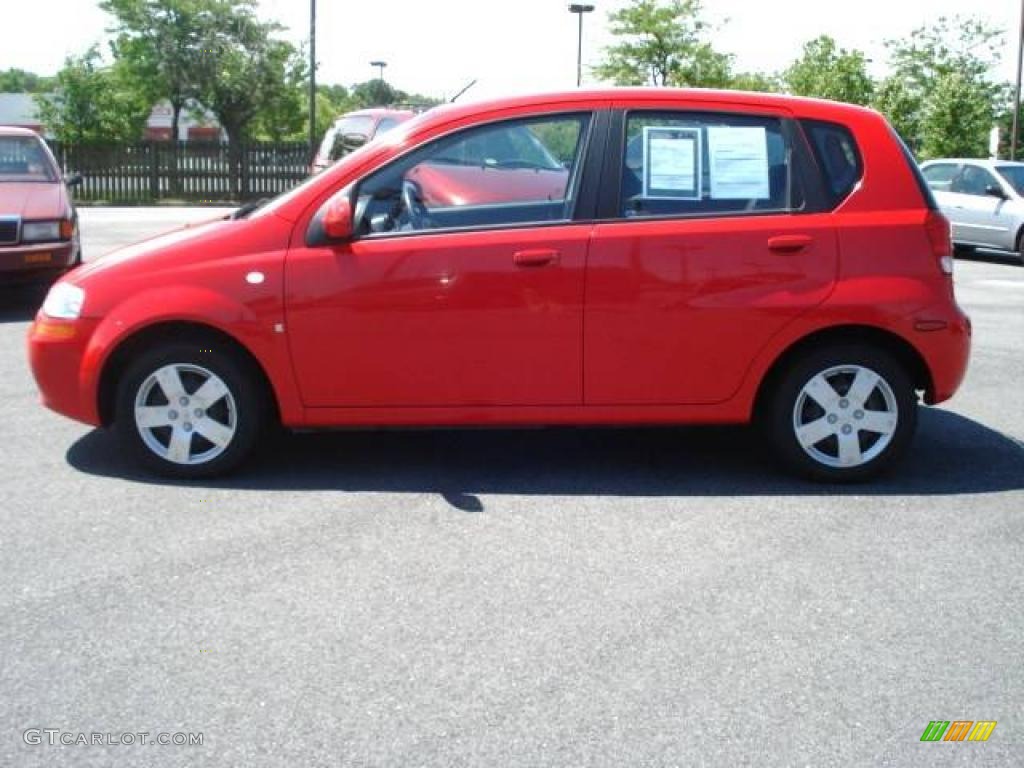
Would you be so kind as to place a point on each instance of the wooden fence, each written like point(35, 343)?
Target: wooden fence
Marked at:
point(195, 172)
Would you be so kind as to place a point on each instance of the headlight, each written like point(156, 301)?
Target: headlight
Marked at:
point(64, 301)
point(40, 231)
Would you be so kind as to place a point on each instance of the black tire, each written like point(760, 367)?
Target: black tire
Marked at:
point(788, 405)
point(246, 398)
point(963, 251)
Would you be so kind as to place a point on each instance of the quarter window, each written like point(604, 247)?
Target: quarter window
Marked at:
point(837, 156)
point(700, 163)
point(503, 174)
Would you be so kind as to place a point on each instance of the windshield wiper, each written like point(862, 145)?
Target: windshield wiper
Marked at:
point(244, 210)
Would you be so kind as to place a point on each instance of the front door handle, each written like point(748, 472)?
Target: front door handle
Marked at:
point(789, 243)
point(535, 257)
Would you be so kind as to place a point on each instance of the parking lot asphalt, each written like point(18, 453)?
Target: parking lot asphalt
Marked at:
point(547, 597)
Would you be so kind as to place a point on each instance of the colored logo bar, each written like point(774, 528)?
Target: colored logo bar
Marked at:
point(958, 730)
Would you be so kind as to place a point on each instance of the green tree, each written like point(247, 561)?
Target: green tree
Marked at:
point(92, 102)
point(1005, 122)
point(951, 57)
point(245, 68)
point(826, 71)
point(755, 81)
point(663, 43)
point(248, 77)
point(159, 45)
point(16, 80)
point(376, 93)
point(956, 119)
point(894, 99)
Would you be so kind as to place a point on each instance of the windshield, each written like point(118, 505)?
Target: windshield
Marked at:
point(22, 158)
point(347, 135)
point(1014, 174)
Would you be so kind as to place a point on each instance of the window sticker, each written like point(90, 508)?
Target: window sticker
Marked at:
point(671, 163)
point(738, 163)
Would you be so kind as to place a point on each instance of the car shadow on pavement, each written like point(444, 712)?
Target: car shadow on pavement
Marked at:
point(951, 455)
point(991, 257)
point(20, 304)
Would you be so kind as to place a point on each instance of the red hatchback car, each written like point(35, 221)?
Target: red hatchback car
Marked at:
point(38, 225)
point(698, 257)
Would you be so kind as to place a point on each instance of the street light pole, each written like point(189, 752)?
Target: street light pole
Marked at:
point(1016, 97)
point(579, 9)
point(380, 79)
point(312, 77)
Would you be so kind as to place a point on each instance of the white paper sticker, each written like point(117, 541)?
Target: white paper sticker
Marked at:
point(738, 162)
point(671, 163)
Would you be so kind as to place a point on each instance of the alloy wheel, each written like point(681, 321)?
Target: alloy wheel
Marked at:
point(185, 414)
point(845, 416)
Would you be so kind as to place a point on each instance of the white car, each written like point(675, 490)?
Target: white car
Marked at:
point(984, 201)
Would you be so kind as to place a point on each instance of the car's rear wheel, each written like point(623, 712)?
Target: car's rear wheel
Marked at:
point(842, 413)
point(190, 409)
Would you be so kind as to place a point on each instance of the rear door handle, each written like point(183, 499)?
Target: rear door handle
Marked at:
point(789, 243)
point(535, 257)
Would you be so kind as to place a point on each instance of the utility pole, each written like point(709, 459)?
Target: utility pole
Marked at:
point(1016, 97)
point(312, 78)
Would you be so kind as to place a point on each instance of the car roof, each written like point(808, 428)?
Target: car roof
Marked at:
point(590, 96)
point(985, 162)
point(376, 112)
point(13, 130)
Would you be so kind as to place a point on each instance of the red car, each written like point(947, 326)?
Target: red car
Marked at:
point(354, 129)
point(696, 257)
point(38, 225)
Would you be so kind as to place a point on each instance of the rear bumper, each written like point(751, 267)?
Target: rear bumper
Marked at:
point(942, 334)
point(28, 263)
point(56, 352)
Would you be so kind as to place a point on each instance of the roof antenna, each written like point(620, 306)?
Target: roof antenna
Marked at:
point(453, 98)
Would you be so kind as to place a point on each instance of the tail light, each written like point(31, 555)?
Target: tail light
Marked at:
point(940, 236)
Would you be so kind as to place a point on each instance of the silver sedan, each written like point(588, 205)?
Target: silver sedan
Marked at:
point(983, 199)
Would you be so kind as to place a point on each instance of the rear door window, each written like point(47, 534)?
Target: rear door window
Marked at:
point(700, 164)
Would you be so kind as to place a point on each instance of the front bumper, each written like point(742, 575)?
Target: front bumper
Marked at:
point(56, 352)
point(25, 263)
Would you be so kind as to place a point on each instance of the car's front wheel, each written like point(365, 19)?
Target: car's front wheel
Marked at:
point(190, 409)
point(842, 413)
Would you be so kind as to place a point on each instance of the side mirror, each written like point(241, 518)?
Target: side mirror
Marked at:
point(73, 179)
point(994, 190)
point(337, 217)
point(354, 140)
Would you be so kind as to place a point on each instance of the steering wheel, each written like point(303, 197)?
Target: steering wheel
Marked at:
point(412, 201)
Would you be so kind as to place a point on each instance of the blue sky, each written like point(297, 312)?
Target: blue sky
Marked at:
point(436, 46)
